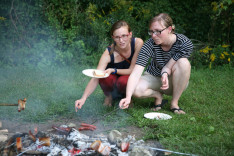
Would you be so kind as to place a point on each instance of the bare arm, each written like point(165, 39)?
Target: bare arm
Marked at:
point(138, 44)
point(166, 71)
point(132, 83)
point(104, 60)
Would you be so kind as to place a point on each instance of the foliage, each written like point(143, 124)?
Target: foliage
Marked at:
point(213, 56)
point(50, 32)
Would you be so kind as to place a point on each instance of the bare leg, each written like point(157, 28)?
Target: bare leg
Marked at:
point(180, 78)
point(143, 90)
point(108, 101)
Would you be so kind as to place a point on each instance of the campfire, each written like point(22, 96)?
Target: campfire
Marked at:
point(66, 140)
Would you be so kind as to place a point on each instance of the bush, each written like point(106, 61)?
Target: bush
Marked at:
point(213, 56)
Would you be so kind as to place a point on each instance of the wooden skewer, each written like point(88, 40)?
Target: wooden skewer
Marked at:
point(8, 104)
point(21, 104)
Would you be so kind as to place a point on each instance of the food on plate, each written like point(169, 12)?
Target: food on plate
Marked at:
point(98, 73)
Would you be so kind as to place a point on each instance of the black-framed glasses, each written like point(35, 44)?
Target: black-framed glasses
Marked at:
point(124, 37)
point(151, 32)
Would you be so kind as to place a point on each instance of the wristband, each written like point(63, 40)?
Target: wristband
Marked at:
point(164, 72)
point(115, 71)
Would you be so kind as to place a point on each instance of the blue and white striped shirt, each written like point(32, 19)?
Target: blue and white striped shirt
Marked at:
point(182, 48)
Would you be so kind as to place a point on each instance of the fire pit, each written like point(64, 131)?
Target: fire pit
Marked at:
point(69, 141)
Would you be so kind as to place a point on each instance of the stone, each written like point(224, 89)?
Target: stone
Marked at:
point(114, 137)
point(139, 151)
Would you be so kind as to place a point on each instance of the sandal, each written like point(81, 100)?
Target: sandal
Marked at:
point(177, 109)
point(164, 101)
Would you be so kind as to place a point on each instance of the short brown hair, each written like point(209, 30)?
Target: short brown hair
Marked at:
point(165, 19)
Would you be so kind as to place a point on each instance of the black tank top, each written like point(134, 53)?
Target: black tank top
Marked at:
point(124, 64)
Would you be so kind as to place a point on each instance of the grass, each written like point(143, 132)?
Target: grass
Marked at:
point(206, 129)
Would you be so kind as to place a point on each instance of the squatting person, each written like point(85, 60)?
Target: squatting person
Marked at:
point(169, 70)
point(118, 60)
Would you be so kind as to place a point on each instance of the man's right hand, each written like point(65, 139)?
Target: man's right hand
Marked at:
point(124, 103)
point(78, 104)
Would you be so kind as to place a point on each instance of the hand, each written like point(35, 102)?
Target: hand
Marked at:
point(109, 71)
point(78, 104)
point(124, 103)
point(165, 83)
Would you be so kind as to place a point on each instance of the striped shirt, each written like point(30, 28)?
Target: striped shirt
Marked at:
point(182, 48)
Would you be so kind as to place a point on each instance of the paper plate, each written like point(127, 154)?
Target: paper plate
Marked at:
point(89, 72)
point(157, 116)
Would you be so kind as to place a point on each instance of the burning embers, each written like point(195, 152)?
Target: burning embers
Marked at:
point(68, 141)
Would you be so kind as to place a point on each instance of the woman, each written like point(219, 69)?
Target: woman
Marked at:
point(169, 70)
point(118, 60)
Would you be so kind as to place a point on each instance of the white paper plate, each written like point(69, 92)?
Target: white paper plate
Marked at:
point(157, 116)
point(89, 72)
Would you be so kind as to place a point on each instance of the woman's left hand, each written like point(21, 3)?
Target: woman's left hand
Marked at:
point(165, 83)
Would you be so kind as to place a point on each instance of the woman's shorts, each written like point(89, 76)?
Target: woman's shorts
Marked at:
point(155, 83)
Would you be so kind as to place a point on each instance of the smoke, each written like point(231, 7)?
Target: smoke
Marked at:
point(38, 65)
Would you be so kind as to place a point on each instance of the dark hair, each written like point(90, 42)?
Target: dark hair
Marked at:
point(118, 25)
point(165, 19)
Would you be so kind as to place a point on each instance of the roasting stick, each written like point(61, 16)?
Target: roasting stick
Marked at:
point(105, 115)
point(163, 150)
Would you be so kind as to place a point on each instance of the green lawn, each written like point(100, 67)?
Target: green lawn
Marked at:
point(206, 129)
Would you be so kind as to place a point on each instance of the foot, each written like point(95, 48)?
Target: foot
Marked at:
point(108, 101)
point(177, 110)
point(157, 107)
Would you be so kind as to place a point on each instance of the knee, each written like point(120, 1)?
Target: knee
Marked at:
point(139, 90)
point(182, 65)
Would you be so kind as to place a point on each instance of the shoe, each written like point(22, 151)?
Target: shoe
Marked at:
point(177, 110)
point(164, 101)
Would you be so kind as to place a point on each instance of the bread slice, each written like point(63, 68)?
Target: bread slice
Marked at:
point(98, 73)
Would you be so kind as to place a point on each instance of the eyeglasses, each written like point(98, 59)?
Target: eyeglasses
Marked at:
point(151, 32)
point(124, 37)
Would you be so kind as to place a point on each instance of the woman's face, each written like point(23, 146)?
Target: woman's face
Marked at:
point(158, 32)
point(122, 37)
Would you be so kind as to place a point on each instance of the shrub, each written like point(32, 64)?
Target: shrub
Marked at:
point(217, 55)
